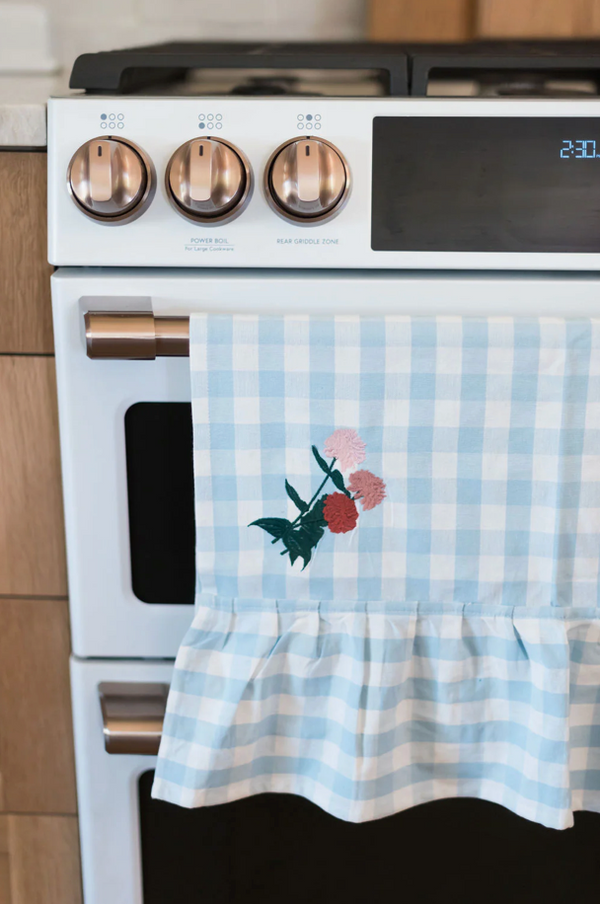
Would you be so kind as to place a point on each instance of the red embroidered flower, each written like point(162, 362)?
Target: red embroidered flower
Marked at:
point(367, 487)
point(340, 512)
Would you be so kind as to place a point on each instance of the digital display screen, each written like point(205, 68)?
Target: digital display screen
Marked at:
point(495, 184)
point(584, 149)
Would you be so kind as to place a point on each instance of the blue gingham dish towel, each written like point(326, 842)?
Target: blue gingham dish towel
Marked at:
point(398, 528)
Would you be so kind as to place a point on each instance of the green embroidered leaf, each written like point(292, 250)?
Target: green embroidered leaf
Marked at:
point(274, 526)
point(337, 478)
point(303, 539)
point(300, 504)
point(297, 547)
point(320, 461)
point(310, 534)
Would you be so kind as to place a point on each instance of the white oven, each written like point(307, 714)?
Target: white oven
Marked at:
point(482, 206)
point(128, 487)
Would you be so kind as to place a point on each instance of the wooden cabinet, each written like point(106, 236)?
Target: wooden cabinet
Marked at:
point(538, 18)
point(39, 860)
point(32, 549)
point(36, 740)
point(25, 312)
point(421, 20)
point(39, 850)
point(459, 20)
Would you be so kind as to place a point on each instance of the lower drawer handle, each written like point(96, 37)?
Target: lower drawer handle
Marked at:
point(132, 715)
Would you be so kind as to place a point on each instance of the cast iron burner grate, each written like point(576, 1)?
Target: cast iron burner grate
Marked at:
point(493, 68)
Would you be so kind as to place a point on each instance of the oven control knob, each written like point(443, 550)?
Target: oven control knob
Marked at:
point(307, 180)
point(111, 180)
point(209, 181)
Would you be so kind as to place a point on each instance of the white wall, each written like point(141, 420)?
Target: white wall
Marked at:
point(80, 26)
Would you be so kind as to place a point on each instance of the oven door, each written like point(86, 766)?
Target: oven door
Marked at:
point(126, 425)
point(281, 848)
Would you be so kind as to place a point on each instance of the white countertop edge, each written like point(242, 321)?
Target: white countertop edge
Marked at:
point(23, 101)
point(22, 126)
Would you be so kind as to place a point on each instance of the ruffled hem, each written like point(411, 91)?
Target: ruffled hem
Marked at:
point(410, 797)
point(367, 713)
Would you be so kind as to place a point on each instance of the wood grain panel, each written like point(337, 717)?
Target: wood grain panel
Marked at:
point(32, 553)
point(25, 312)
point(421, 20)
point(592, 26)
point(39, 860)
point(5, 895)
point(538, 18)
point(36, 742)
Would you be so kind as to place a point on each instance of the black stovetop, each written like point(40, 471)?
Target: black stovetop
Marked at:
point(401, 70)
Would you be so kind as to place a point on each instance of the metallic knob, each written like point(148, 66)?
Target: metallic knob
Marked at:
point(209, 181)
point(307, 180)
point(111, 180)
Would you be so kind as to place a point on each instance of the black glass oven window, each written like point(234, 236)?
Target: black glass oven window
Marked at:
point(160, 482)
point(523, 184)
point(281, 849)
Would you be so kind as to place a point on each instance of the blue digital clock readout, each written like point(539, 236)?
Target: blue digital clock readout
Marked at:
point(581, 149)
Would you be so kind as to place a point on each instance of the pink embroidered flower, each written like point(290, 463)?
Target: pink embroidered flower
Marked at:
point(340, 512)
point(347, 447)
point(367, 487)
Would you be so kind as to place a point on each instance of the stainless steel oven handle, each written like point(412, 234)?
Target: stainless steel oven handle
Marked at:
point(136, 335)
point(132, 715)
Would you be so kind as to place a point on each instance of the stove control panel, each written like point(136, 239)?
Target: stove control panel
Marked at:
point(315, 182)
point(111, 180)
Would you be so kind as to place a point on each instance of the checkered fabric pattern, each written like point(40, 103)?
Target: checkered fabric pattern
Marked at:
point(368, 713)
point(447, 646)
point(486, 433)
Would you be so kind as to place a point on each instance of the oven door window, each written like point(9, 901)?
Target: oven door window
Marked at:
point(282, 849)
point(160, 481)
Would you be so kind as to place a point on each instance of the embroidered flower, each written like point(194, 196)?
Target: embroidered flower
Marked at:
point(367, 487)
point(301, 535)
point(347, 447)
point(340, 513)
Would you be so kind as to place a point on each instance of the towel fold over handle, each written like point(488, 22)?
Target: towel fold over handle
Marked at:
point(132, 716)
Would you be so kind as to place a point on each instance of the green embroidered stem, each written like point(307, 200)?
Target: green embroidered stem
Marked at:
point(310, 504)
point(314, 499)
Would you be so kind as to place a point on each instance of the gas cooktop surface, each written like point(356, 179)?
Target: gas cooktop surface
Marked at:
point(475, 69)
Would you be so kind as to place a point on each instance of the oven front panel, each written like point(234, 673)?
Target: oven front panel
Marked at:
point(433, 184)
point(130, 542)
point(280, 847)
